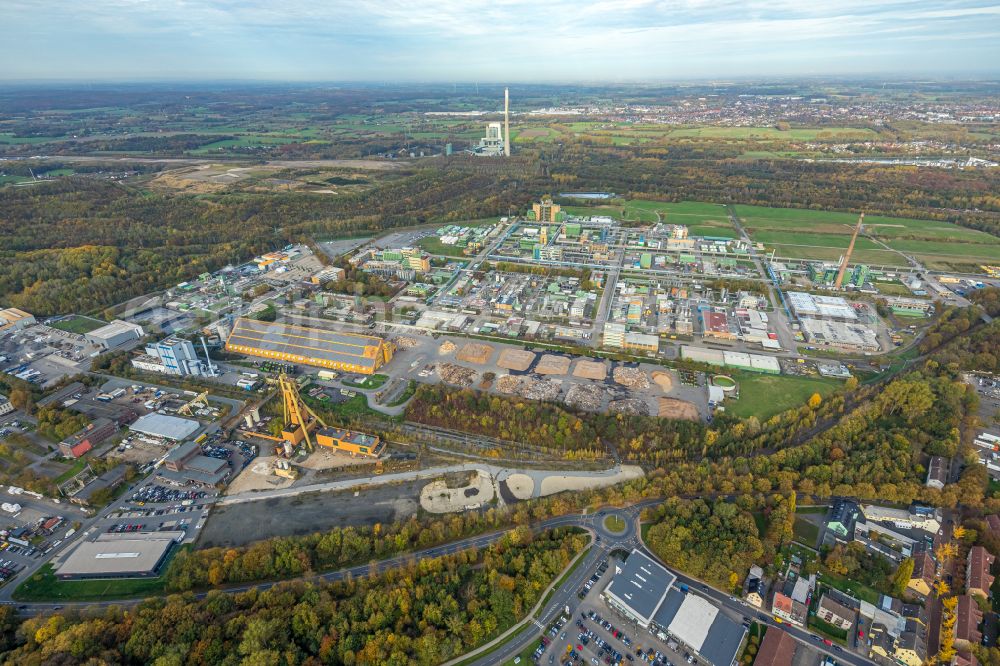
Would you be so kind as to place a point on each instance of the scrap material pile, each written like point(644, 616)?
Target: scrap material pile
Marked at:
point(590, 370)
point(633, 378)
point(446, 347)
point(550, 364)
point(633, 406)
point(588, 397)
point(540, 389)
point(508, 384)
point(456, 374)
point(475, 352)
point(516, 359)
point(406, 343)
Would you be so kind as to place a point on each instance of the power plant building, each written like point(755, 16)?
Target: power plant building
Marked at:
point(346, 352)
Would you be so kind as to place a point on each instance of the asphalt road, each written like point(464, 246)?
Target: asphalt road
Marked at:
point(565, 595)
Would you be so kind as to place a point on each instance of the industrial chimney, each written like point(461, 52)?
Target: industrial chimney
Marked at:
point(506, 122)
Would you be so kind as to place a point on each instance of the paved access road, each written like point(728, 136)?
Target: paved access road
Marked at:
point(605, 542)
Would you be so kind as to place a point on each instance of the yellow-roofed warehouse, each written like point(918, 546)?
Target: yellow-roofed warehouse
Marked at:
point(347, 352)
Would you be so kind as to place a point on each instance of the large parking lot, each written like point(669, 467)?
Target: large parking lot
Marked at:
point(596, 634)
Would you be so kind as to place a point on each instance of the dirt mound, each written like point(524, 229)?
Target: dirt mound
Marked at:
point(446, 347)
point(633, 378)
point(590, 370)
point(672, 408)
point(550, 364)
point(663, 380)
point(475, 352)
point(516, 359)
point(456, 374)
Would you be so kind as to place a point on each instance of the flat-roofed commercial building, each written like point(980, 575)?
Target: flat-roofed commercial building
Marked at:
point(826, 307)
point(336, 350)
point(116, 334)
point(132, 555)
point(701, 627)
point(165, 426)
point(355, 443)
point(638, 588)
point(12, 319)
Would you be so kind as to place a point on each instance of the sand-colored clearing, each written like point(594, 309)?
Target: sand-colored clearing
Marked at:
point(590, 370)
point(521, 485)
point(516, 359)
point(550, 364)
point(475, 352)
point(672, 408)
point(437, 497)
point(258, 476)
point(557, 483)
point(663, 380)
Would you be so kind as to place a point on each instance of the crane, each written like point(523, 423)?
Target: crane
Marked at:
point(201, 399)
point(847, 257)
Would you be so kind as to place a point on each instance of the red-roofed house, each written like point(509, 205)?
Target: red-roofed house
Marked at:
point(777, 649)
point(978, 578)
point(967, 631)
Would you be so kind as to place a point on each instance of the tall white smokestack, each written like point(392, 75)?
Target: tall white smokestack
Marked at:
point(506, 122)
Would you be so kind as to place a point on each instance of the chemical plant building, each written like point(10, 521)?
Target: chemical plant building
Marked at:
point(131, 555)
point(830, 321)
point(347, 352)
point(114, 335)
point(162, 426)
point(173, 356)
point(616, 337)
point(643, 591)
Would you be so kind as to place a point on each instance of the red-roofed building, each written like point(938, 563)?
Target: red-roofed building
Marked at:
point(978, 578)
point(967, 624)
point(716, 325)
point(994, 523)
point(777, 649)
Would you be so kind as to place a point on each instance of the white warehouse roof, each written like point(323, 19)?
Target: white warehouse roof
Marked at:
point(167, 427)
point(693, 620)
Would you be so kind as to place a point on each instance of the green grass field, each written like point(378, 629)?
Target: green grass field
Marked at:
point(765, 395)
point(369, 382)
point(78, 324)
point(702, 219)
point(824, 235)
point(433, 245)
point(44, 586)
point(806, 532)
point(614, 523)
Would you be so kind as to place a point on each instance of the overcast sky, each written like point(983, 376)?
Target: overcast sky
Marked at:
point(494, 40)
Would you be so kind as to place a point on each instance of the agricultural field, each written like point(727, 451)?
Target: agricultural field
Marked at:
point(825, 235)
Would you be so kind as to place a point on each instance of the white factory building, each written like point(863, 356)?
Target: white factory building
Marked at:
point(163, 426)
point(114, 335)
point(825, 307)
point(172, 356)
